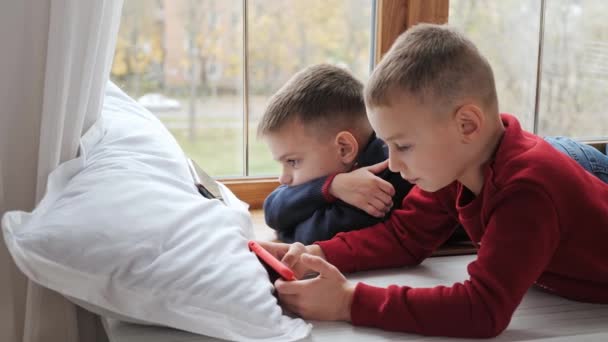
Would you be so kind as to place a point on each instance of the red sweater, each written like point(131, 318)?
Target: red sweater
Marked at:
point(539, 219)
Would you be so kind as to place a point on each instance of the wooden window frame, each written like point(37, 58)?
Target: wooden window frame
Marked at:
point(601, 145)
point(393, 18)
point(251, 190)
point(396, 16)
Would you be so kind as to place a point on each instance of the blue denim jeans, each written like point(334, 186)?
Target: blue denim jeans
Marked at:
point(587, 156)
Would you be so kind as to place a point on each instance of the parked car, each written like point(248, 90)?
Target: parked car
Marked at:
point(156, 102)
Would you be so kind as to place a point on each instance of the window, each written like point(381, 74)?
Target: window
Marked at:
point(564, 91)
point(206, 68)
point(574, 78)
point(506, 33)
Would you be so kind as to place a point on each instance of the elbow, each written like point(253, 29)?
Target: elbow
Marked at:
point(416, 261)
point(270, 217)
point(270, 222)
point(494, 332)
point(494, 326)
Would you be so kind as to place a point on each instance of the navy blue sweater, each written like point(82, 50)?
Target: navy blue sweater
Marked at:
point(307, 213)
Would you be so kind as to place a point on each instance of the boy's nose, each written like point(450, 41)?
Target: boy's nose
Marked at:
point(285, 179)
point(397, 166)
point(392, 164)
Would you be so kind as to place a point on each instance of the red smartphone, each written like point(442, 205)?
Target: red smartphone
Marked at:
point(272, 264)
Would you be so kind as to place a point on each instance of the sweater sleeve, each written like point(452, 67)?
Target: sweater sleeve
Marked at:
point(410, 235)
point(326, 222)
point(521, 235)
point(337, 216)
point(307, 213)
point(287, 206)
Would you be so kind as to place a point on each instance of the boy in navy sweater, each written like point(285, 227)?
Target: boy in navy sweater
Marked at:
point(335, 175)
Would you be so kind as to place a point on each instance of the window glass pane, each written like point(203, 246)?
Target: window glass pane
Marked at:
point(506, 33)
point(182, 59)
point(286, 36)
point(574, 92)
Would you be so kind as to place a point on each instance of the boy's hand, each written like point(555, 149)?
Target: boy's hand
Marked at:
point(291, 254)
point(363, 189)
point(327, 297)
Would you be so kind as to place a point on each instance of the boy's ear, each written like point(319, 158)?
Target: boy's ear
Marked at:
point(348, 148)
point(469, 120)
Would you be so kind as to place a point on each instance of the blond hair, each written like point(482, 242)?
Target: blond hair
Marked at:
point(436, 64)
point(323, 97)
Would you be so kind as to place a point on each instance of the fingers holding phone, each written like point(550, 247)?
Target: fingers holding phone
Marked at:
point(293, 254)
point(277, 249)
point(311, 297)
point(293, 259)
point(328, 296)
point(290, 255)
point(274, 267)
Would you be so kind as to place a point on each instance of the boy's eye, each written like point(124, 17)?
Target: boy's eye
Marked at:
point(402, 148)
point(292, 162)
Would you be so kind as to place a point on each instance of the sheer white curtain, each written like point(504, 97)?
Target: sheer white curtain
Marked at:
point(53, 70)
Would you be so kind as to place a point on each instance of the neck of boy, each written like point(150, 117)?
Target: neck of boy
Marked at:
point(474, 179)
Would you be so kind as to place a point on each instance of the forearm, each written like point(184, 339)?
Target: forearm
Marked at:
point(457, 311)
point(288, 206)
point(406, 238)
point(481, 306)
point(334, 218)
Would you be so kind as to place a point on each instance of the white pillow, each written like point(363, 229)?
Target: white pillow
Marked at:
point(123, 228)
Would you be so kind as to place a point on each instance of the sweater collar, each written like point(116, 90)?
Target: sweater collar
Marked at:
point(374, 152)
point(510, 144)
point(513, 137)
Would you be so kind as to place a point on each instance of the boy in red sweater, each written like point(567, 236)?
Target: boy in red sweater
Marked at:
point(537, 217)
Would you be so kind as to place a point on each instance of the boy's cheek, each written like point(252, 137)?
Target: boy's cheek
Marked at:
point(300, 177)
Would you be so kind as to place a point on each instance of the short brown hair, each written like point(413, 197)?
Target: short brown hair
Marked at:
point(324, 96)
point(435, 63)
